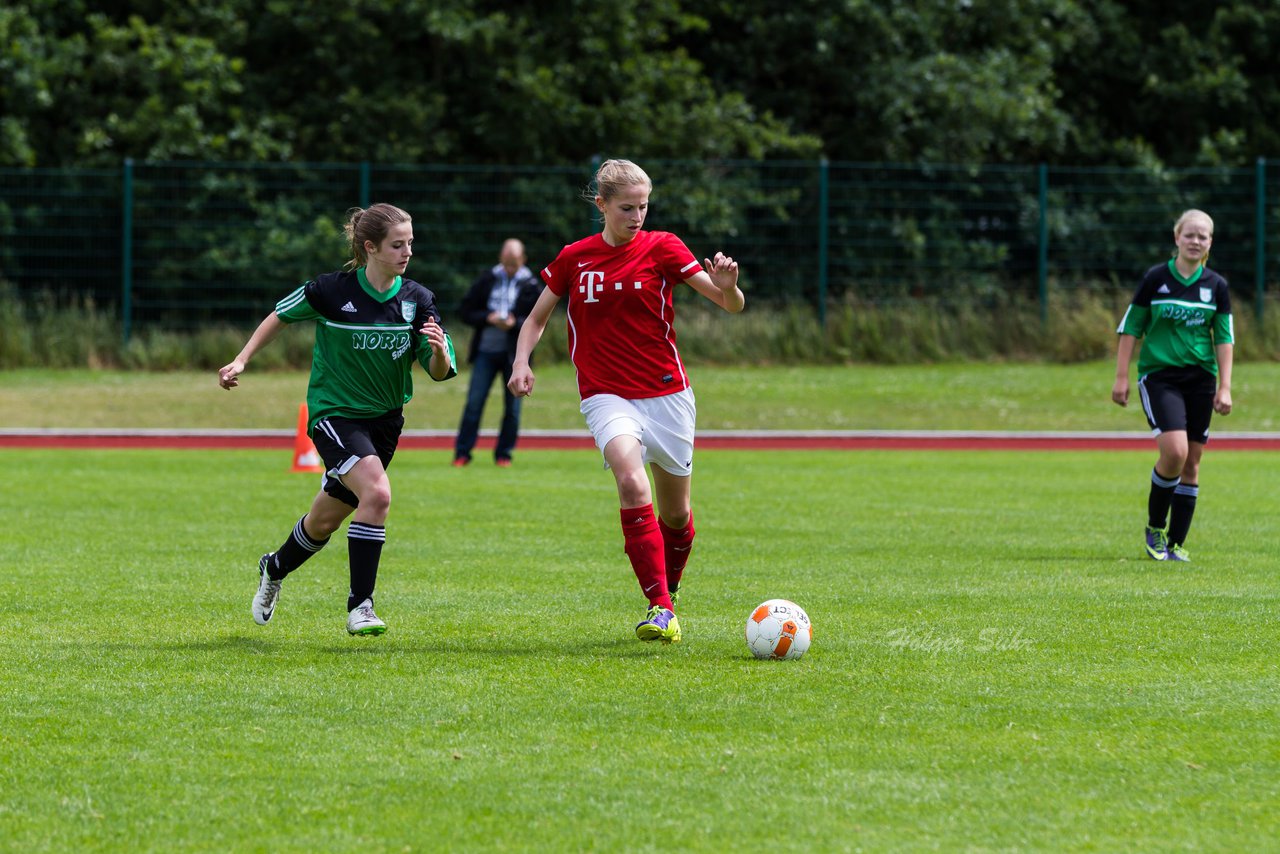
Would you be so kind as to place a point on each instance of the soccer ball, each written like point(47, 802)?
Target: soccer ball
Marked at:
point(778, 628)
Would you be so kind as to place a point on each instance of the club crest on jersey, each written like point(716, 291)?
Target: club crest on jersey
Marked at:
point(408, 310)
point(1206, 294)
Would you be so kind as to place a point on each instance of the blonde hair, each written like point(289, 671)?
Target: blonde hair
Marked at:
point(1188, 214)
point(370, 224)
point(614, 176)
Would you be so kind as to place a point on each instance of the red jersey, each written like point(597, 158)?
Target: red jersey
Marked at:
point(622, 336)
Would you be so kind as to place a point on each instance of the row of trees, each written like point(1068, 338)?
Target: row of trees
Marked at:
point(1127, 82)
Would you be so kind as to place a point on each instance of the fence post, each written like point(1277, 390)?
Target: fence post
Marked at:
point(592, 224)
point(1259, 236)
point(126, 249)
point(1042, 243)
point(824, 179)
point(364, 183)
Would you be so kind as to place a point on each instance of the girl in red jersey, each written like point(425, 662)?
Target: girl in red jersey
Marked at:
point(635, 393)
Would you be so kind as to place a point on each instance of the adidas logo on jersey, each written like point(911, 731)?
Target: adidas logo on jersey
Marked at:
point(1163, 289)
point(349, 307)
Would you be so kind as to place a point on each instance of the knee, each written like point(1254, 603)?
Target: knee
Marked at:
point(377, 499)
point(633, 488)
point(675, 517)
point(1173, 461)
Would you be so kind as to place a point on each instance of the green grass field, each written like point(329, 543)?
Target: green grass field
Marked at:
point(986, 396)
point(994, 665)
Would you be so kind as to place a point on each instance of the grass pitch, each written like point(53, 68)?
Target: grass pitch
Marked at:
point(962, 396)
point(994, 667)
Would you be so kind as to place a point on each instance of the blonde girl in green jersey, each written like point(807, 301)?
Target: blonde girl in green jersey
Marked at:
point(1182, 313)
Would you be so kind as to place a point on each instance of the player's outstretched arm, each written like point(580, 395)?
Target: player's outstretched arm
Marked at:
point(521, 382)
point(718, 282)
point(268, 329)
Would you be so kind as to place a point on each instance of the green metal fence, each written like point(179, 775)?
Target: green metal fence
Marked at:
point(176, 245)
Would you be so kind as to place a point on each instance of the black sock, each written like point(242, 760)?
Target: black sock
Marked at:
point(294, 552)
point(1184, 507)
point(1158, 500)
point(364, 546)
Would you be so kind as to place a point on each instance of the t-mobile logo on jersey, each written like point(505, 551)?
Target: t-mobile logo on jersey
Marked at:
point(592, 284)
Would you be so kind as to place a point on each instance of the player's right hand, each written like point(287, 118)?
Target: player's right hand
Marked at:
point(228, 375)
point(521, 382)
point(1120, 392)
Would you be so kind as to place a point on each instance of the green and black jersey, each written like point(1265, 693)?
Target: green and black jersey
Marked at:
point(1180, 319)
point(366, 342)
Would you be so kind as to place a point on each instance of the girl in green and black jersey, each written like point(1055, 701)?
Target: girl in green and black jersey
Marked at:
point(1182, 311)
point(372, 324)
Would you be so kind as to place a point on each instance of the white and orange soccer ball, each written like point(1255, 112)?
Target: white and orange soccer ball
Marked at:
point(779, 628)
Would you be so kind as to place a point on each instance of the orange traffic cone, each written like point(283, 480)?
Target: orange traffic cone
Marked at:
point(305, 457)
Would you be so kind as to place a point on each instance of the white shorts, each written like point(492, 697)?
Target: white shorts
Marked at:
point(663, 425)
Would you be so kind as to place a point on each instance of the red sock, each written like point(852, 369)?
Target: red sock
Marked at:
point(642, 541)
point(676, 543)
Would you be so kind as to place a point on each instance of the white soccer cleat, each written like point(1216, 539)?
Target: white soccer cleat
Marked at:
point(264, 601)
point(362, 620)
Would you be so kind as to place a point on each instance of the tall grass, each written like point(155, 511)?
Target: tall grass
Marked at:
point(44, 331)
point(1079, 325)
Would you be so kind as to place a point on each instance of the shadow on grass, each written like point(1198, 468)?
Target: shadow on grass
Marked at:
point(501, 648)
point(221, 644)
point(414, 645)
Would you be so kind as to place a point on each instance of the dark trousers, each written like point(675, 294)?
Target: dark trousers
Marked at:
point(486, 367)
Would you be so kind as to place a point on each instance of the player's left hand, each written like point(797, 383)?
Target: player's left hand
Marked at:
point(1222, 402)
point(723, 271)
point(434, 333)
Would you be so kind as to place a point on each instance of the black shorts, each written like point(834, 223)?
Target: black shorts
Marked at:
point(1179, 399)
point(343, 442)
